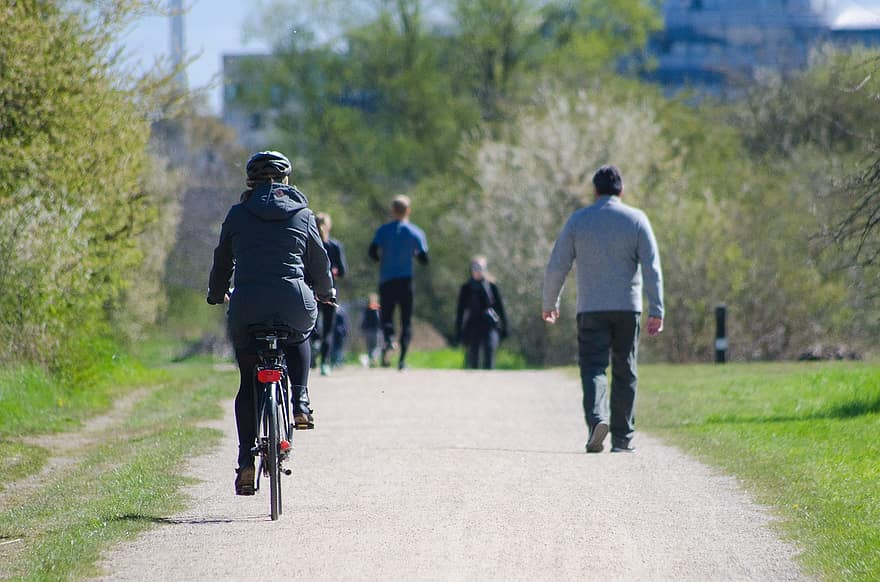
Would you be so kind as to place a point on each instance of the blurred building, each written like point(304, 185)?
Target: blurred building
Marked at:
point(719, 45)
point(251, 103)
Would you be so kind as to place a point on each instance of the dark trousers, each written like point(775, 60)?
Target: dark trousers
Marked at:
point(328, 327)
point(394, 293)
point(601, 333)
point(485, 341)
point(297, 356)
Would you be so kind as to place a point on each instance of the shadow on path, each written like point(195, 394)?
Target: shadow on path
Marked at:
point(190, 520)
point(485, 449)
point(845, 410)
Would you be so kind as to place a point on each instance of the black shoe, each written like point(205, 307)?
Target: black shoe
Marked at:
point(303, 421)
point(244, 480)
point(401, 365)
point(622, 448)
point(597, 437)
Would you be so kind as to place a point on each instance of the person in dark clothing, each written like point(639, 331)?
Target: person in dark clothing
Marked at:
point(270, 242)
point(394, 246)
point(340, 332)
point(338, 267)
point(371, 326)
point(480, 321)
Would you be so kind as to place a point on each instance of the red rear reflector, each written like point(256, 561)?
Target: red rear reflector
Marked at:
point(266, 376)
point(284, 446)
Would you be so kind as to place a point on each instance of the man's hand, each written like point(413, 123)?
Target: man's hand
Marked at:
point(655, 325)
point(550, 316)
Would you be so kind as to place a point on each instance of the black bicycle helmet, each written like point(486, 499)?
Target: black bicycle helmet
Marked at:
point(268, 165)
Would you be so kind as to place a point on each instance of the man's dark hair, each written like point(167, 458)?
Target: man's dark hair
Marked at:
point(607, 181)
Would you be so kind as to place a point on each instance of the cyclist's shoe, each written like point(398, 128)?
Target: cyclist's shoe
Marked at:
point(325, 369)
point(302, 412)
point(303, 421)
point(244, 480)
point(597, 437)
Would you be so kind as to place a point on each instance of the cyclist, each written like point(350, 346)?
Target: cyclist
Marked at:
point(338, 266)
point(394, 246)
point(270, 241)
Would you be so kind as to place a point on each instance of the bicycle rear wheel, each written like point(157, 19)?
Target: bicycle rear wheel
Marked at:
point(273, 453)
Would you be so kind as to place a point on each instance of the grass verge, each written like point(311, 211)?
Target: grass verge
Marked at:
point(453, 359)
point(804, 437)
point(33, 402)
point(117, 485)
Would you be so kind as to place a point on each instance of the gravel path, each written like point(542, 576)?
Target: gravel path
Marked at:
point(461, 476)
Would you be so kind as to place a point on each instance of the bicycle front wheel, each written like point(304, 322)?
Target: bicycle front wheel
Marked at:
point(274, 452)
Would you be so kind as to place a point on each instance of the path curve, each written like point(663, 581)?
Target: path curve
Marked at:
point(461, 476)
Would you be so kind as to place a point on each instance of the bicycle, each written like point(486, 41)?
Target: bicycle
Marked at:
point(275, 433)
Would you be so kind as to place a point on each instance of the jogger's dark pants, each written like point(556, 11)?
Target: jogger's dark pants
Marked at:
point(393, 293)
point(328, 326)
point(601, 333)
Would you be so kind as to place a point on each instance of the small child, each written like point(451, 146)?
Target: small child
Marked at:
point(371, 326)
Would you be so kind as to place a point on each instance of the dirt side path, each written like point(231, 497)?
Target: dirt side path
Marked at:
point(461, 476)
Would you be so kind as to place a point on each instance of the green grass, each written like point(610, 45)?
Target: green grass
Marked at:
point(804, 437)
point(34, 402)
point(117, 486)
point(453, 359)
point(18, 460)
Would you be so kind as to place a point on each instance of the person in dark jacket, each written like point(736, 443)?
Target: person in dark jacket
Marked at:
point(338, 266)
point(480, 322)
point(270, 241)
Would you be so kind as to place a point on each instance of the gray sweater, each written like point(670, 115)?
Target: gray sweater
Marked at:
point(614, 247)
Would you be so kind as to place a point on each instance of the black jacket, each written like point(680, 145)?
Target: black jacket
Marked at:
point(474, 301)
point(336, 253)
point(270, 242)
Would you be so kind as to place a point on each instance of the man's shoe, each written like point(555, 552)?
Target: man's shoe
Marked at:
point(303, 421)
point(325, 369)
point(622, 448)
point(244, 481)
point(401, 365)
point(597, 437)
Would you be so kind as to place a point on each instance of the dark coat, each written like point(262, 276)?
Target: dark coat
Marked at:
point(271, 242)
point(336, 252)
point(474, 300)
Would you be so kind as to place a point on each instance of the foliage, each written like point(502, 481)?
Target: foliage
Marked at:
point(802, 436)
point(495, 135)
point(76, 212)
point(814, 130)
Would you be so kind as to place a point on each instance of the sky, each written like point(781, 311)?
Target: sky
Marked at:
point(216, 27)
point(212, 28)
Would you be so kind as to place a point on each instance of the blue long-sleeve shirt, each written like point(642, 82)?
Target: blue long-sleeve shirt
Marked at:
point(395, 245)
point(615, 251)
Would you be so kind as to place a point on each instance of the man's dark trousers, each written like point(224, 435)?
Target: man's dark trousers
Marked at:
point(617, 333)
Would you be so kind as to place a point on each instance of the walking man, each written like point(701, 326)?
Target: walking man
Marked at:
point(615, 252)
point(395, 245)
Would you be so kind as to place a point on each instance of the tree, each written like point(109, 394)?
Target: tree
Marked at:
point(74, 209)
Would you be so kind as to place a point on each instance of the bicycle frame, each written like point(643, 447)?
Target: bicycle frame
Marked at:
point(275, 440)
